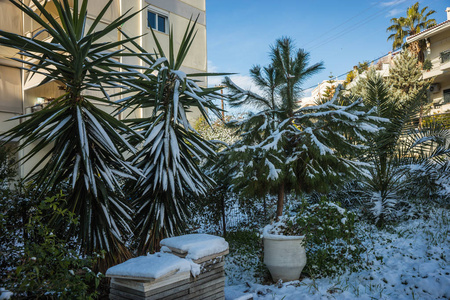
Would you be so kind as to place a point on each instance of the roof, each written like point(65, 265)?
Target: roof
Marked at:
point(427, 32)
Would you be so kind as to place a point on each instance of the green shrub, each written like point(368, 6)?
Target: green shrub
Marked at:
point(331, 244)
point(244, 262)
point(36, 263)
point(7, 163)
point(427, 65)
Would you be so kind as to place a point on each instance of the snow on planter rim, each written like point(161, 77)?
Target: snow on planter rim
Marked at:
point(150, 266)
point(197, 245)
point(272, 231)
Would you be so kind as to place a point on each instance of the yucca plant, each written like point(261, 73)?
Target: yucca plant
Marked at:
point(85, 144)
point(170, 154)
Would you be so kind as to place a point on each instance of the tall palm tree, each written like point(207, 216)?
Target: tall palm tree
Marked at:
point(415, 21)
point(285, 148)
point(86, 144)
point(293, 67)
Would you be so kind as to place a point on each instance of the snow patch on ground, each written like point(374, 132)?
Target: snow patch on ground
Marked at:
point(408, 261)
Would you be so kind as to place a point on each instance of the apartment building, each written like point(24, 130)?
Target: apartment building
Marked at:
point(437, 50)
point(21, 93)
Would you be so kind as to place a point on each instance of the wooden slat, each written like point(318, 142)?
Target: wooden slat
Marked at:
point(207, 292)
point(145, 286)
point(125, 295)
point(212, 267)
point(170, 295)
point(213, 261)
point(178, 252)
point(209, 257)
point(207, 284)
point(210, 276)
point(144, 279)
point(221, 296)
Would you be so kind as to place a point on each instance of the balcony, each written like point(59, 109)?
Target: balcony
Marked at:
point(445, 60)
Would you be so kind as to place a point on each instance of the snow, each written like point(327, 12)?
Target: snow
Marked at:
point(274, 231)
point(195, 268)
point(150, 266)
point(406, 261)
point(4, 294)
point(196, 245)
point(273, 172)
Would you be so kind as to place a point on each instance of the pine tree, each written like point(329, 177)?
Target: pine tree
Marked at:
point(330, 89)
point(405, 77)
point(406, 80)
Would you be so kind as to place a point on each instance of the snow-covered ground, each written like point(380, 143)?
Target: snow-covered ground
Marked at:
point(408, 261)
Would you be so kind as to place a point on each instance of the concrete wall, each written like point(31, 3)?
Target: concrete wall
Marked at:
point(441, 71)
point(14, 99)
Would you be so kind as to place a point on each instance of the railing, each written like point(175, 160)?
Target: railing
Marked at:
point(443, 119)
point(445, 56)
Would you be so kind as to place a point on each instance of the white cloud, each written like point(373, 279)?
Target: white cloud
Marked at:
point(395, 12)
point(391, 3)
point(211, 67)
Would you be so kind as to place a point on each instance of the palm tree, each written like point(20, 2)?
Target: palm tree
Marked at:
point(86, 144)
point(283, 148)
point(281, 83)
point(292, 65)
point(390, 149)
point(414, 22)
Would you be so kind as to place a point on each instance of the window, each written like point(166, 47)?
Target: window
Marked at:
point(157, 21)
point(445, 56)
point(446, 96)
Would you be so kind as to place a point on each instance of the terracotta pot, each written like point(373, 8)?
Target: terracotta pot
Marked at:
point(284, 256)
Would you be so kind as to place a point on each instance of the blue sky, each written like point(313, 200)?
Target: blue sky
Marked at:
point(339, 33)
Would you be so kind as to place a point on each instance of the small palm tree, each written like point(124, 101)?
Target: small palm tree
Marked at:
point(415, 21)
point(86, 144)
point(391, 149)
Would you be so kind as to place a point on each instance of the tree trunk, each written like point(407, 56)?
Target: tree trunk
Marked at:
point(280, 202)
point(224, 222)
point(265, 209)
point(421, 116)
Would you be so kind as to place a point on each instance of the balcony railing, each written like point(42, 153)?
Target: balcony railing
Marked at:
point(445, 56)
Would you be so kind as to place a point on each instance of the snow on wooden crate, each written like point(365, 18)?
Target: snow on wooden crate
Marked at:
point(198, 247)
point(150, 267)
point(168, 274)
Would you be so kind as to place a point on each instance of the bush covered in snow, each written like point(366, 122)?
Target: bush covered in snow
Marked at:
point(35, 261)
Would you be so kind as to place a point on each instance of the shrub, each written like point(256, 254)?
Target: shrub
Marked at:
point(331, 243)
point(427, 65)
point(245, 263)
point(7, 161)
point(35, 262)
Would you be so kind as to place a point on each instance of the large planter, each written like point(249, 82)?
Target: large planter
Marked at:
point(284, 256)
